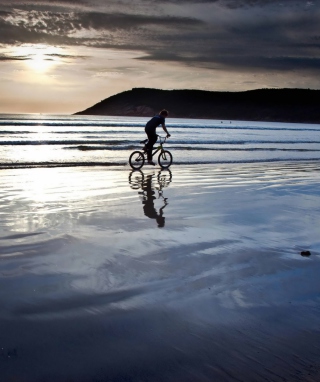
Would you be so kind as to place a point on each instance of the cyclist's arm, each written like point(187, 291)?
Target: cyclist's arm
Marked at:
point(165, 129)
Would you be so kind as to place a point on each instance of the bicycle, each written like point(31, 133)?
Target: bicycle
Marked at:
point(138, 158)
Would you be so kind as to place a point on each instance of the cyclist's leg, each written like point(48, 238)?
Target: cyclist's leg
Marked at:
point(152, 139)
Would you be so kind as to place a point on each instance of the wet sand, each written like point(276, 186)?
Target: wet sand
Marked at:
point(193, 274)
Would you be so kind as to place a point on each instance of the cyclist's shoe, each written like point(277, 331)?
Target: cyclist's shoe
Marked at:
point(152, 163)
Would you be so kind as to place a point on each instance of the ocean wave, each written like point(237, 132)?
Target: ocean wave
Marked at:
point(122, 143)
point(190, 148)
point(61, 142)
point(289, 160)
point(14, 132)
point(141, 124)
point(39, 123)
point(25, 165)
point(22, 165)
point(64, 132)
point(92, 148)
point(255, 128)
point(108, 142)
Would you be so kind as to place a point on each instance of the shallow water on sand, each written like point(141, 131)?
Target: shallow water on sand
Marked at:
point(189, 274)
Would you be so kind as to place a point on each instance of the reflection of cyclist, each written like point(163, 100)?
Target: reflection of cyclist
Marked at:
point(148, 203)
point(150, 130)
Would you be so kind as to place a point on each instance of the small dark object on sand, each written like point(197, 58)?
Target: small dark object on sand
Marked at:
point(305, 253)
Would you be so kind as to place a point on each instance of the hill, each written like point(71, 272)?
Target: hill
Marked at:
point(282, 105)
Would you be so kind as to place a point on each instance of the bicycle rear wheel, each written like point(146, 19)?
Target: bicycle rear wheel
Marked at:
point(136, 160)
point(165, 159)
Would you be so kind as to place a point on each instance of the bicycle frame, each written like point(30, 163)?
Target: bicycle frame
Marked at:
point(160, 147)
point(157, 149)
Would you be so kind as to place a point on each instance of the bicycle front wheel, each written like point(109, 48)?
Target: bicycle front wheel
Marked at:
point(136, 160)
point(165, 159)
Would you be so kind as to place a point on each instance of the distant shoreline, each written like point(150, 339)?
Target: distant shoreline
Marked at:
point(264, 105)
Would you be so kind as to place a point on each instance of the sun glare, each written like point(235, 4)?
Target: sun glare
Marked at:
point(39, 58)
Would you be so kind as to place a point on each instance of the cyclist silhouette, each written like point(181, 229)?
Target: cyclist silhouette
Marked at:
point(150, 129)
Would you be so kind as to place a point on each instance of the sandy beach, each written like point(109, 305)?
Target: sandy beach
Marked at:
point(192, 274)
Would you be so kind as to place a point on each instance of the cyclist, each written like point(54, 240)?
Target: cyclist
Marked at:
point(150, 129)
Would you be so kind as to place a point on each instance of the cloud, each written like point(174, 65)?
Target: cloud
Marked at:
point(4, 57)
point(234, 4)
point(59, 55)
point(43, 3)
point(123, 21)
point(22, 26)
point(12, 56)
point(51, 23)
point(221, 34)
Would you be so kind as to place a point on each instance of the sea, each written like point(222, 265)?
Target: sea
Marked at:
point(37, 140)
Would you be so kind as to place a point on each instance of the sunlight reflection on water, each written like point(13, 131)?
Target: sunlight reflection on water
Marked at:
point(198, 258)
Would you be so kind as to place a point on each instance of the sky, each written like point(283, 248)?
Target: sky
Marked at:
point(65, 56)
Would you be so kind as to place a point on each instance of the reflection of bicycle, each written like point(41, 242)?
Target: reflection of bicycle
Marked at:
point(164, 179)
point(137, 158)
point(137, 179)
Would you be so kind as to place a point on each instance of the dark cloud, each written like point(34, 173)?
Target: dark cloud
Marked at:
point(123, 21)
point(234, 4)
point(4, 57)
point(245, 63)
point(20, 34)
point(255, 34)
point(260, 3)
point(49, 57)
point(61, 28)
point(280, 43)
point(137, 4)
point(59, 55)
point(59, 23)
point(43, 3)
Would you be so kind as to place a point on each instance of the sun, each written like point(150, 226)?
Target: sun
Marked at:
point(40, 63)
point(39, 58)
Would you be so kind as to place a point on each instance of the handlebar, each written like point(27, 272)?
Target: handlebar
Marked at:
point(163, 138)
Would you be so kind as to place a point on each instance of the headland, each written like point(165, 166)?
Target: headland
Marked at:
point(276, 105)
